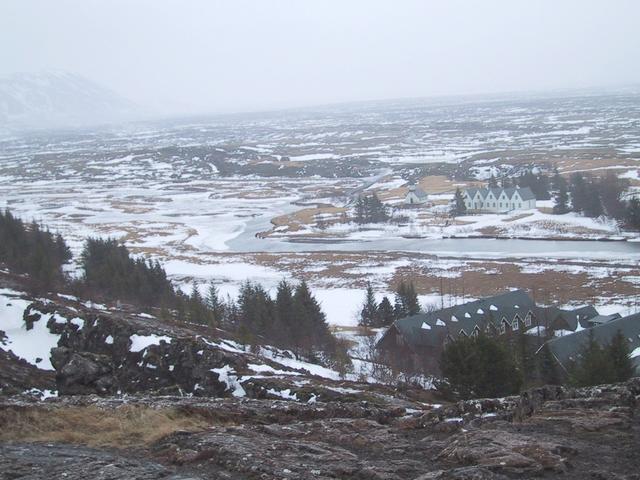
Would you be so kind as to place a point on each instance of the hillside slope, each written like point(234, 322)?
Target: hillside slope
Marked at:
point(58, 99)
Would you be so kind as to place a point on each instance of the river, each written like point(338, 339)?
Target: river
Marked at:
point(457, 247)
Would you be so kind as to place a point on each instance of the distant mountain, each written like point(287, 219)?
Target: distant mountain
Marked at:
point(59, 99)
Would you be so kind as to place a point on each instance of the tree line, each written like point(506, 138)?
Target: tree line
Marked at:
point(383, 314)
point(369, 209)
point(292, 320)
point(582, 193)
point(491, 366)
point(29, 248)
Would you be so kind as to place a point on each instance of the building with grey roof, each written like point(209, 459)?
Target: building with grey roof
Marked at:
point(415, 343)
point(416, 196)
point(499, 200)
point(566, 348)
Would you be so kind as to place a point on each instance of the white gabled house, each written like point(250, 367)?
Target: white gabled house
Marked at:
point(416, 196)
point(498, 200)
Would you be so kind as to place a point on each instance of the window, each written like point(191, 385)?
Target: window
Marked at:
point(527, 320)
point(516, 323)
point(500, 204)
point(503, 327)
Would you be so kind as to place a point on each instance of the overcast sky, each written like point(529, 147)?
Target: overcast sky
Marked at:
point(208, 55)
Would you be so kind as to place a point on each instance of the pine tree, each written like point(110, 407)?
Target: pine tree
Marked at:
point(592, 366)
point(547, 367)
point(360, 210)
point(287, 323)
point(562, 199)
point(493, 182)
point(593, 205)
point(458, 207)
point(579, 192)
point(610, 189)
point(315, 334)
point(618, 353)
point(215, 304)
point(406, 300)
point(369, 310)
point(632, 214)
point(479, 367)
point(385, 315)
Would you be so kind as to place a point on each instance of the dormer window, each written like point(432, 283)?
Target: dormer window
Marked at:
point(516, 323)
point(503, 326)
point(527, 320)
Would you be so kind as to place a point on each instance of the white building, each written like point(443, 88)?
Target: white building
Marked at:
point(499, 200)
point(416, 196)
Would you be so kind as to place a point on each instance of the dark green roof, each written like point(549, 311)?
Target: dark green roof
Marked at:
point(567, 347)
point(464, 317)
point(431, 328)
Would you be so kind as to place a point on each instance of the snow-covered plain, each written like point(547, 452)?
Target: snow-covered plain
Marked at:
point(193, 194)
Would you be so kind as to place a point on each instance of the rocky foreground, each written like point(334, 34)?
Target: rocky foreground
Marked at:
point(552, 432)
point(139, 397)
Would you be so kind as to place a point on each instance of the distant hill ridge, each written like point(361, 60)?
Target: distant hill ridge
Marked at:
point(59, 99)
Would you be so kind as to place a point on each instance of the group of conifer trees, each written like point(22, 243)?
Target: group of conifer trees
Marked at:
point(112, 273)
point(537, 182)
point(494, 366)
point(293, 320)
point(599, 364)
point(594, 197)
point(383, 314)
point(31, 249)
point(369, 209)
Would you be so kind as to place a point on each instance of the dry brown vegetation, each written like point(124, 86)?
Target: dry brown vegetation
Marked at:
point(121, 427)
point(306, 216)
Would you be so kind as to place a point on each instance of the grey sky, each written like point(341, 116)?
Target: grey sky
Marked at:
point(208, 55)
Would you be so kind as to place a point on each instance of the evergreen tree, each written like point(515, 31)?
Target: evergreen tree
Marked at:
point(539, 184)
point(506, 182)
point(618, 353)
point(547, 367)
point(385, 315)
point(579, 192)
point(525, 356)
point(458, 208)
point(406, 300)
point(369, 209)
point(285, 313)
point(562, 199)
point(110, 272)
point(360, 210)
point(33, 250)
point(479, 366)
point(315, 334)
point(493, 182)
point(197, 309)
point(632, 214)
point(610, 189)
point(592, 366)
point(368, 313)
point(255, 309)
point(215, 305)
point(593, 204)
